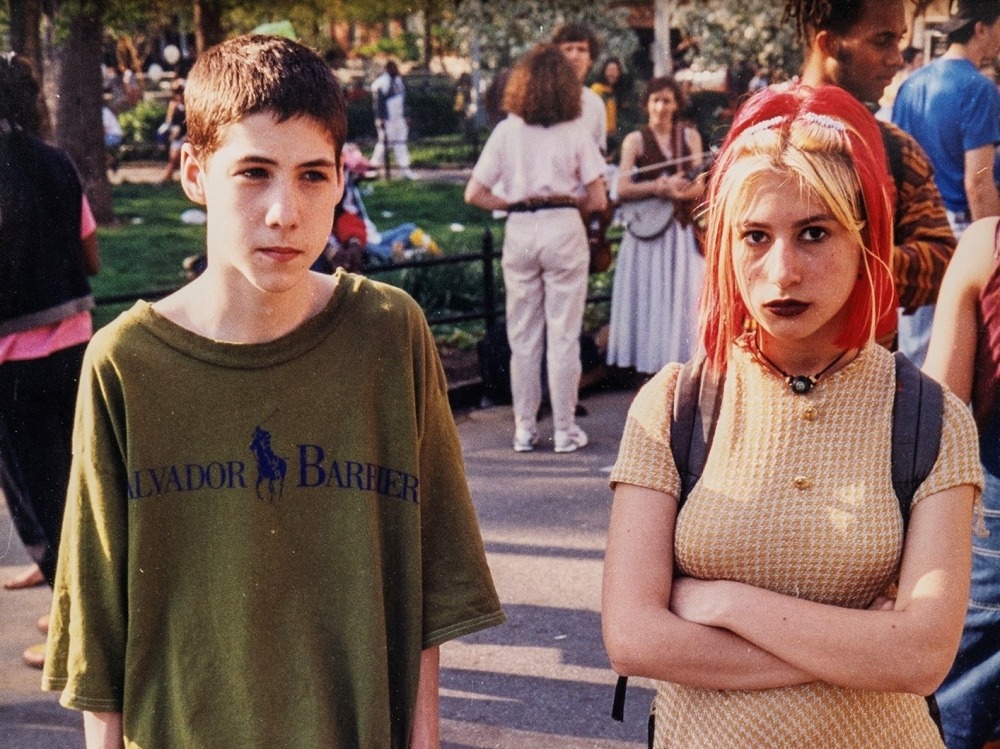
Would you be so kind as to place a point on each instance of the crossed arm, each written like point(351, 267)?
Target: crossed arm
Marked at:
point(729, 635)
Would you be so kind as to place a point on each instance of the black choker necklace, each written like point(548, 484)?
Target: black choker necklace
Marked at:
point(801, 384)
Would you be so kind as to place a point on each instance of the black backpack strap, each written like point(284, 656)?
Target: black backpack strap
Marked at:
point(697, 398)
point(618, 705)
point(917, 415)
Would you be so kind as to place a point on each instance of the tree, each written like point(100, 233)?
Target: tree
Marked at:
point(505, 31)
point(79, 27)
point(734, 32)
point(25, 32)
point(208, 29)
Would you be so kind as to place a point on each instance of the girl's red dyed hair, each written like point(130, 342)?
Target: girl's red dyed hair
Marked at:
point(807, 133)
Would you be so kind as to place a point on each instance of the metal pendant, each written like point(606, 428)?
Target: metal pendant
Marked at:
point(801, 384)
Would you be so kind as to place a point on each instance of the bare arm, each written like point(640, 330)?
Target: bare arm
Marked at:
point(91, 257)
point(642, 637)
point(477, 194)
point(860, 649)
point(103, 730)
point(426, 732)
point(596, 197)
point(980, 188)
point(951, 356)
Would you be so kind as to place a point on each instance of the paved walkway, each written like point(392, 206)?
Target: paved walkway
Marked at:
point(541, 680)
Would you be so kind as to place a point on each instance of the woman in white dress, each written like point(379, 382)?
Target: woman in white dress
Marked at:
point(659, 270)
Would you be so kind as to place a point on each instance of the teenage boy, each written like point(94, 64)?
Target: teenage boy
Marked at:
point(269, 531)
point(855, 45)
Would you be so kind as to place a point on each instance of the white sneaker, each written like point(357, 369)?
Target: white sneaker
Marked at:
point(410, 174)
point(525, 440)
point(569, 440)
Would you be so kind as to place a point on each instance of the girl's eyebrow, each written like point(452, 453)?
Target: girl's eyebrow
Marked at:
point(801, 222)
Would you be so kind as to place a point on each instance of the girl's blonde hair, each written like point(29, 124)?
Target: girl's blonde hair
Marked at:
point(827, 142)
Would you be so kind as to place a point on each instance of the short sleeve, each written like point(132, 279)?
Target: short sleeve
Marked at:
point(88, 224)
point(458, 592)
point(958, 458)
point(644, 457)
point(981, 118)
point(489, 167)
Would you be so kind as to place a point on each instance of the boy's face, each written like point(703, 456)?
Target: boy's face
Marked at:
point(269, 191)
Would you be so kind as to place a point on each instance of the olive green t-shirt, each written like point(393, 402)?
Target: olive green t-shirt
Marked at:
point(260, 539)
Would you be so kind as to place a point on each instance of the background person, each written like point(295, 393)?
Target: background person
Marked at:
point(953, 111)
point(659, 270)
point(610, 86)
point(964, 354)
point(389, 94)
point(48, 247)
point(580, 46)
point(855, 45)
point(773, 608)
point(174, 129)
point(534, 165)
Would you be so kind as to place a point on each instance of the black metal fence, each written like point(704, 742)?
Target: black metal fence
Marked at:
point(488, 312)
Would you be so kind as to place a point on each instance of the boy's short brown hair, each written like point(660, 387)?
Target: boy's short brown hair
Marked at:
point(254, 73)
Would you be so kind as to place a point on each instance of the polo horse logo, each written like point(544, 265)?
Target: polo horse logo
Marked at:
point(270, 467)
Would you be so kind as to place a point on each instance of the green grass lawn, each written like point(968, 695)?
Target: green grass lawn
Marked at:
point(143, 253)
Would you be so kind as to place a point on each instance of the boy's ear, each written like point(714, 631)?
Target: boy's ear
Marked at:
point(192, 174)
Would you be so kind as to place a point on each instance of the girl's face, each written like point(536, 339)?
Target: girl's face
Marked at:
point(661, 106)
point(795, 266)
point(612, 73)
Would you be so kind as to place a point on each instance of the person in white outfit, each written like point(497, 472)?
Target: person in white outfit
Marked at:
point(542, 167)
point(389, 94)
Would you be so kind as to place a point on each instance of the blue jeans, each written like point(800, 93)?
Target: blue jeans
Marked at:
point(970, 696)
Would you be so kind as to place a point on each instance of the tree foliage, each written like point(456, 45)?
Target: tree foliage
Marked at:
point(732, 32)
point(506, 30)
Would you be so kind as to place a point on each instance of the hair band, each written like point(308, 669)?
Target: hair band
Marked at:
point(824, 121)
point(764, 125)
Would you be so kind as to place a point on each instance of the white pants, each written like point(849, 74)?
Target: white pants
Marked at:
point(545, 261)
point(396, 133)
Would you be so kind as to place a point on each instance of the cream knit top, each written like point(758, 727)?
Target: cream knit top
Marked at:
point(796, 497)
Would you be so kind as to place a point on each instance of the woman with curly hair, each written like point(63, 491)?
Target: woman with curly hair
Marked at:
point(542, 167)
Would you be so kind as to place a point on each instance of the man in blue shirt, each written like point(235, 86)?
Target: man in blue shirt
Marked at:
point(953, 111)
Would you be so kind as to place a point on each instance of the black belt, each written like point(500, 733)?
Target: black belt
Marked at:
point(540, 205)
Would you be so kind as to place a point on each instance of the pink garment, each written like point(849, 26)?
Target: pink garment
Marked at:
point(45, 340)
